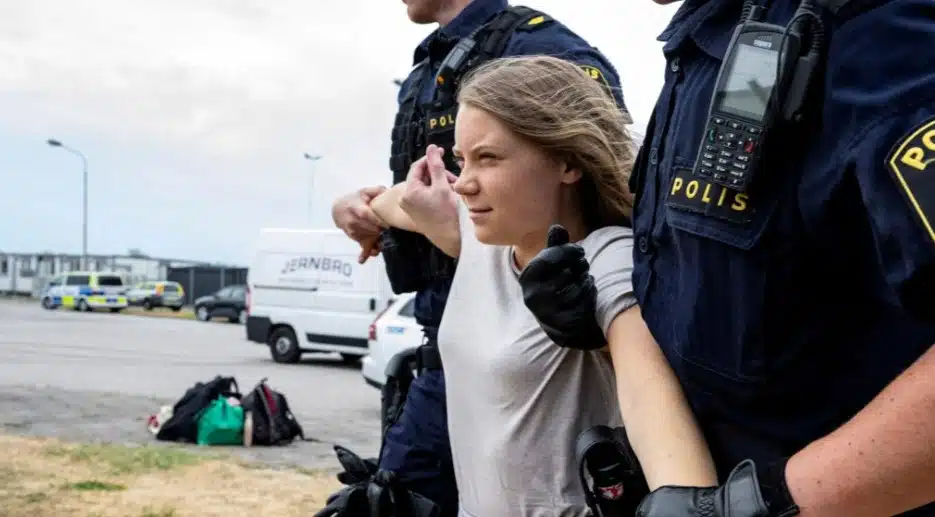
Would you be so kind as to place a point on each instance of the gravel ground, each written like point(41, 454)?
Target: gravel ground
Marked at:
point(97, 377)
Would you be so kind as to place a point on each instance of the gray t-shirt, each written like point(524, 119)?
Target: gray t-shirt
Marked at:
point(516, 400)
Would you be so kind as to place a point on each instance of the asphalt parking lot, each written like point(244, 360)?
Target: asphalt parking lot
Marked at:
point(98, 376)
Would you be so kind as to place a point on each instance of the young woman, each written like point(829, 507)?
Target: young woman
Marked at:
point(540, 143)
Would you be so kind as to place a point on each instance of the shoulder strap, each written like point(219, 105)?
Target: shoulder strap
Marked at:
point(487, 42)
point(494, 36)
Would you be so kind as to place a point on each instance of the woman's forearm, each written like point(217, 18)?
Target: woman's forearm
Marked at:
point(446, 237)
point(660, 425)
point(386, 206)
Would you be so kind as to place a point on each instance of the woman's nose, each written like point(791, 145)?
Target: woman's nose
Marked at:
point(465, 184)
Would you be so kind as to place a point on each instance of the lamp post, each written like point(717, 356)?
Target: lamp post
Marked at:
point(311, 183)
point(84, 198)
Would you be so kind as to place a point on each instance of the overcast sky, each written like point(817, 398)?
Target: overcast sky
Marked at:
point(195, 116)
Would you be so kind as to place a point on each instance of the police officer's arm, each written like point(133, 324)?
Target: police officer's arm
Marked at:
point(882, 462)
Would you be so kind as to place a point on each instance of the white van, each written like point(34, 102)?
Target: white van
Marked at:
point(307, 293)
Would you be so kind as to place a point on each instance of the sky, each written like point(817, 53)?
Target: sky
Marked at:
point(195, 116)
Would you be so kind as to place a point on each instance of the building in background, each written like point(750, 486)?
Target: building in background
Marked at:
point(24, 274)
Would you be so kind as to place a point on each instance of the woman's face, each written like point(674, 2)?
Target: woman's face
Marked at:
point(511, 187)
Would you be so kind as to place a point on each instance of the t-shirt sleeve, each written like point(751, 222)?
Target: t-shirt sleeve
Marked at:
point(611, 258)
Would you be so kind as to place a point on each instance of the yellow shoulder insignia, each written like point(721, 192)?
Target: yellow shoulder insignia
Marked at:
point(909, 162)
point(596, 74)
point(536, 22)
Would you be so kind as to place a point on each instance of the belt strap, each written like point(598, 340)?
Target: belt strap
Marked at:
point(428, 357)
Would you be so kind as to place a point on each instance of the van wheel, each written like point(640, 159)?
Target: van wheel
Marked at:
point(47, 304)
point(283, 346)
point(83, 305)
point(147, 305)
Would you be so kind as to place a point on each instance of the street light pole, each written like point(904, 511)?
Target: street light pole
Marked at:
point(84, 198)
point(311, 184)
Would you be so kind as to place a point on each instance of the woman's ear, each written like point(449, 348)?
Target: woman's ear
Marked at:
point(571, 174)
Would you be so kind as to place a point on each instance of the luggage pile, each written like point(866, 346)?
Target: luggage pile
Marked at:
point(216, 413)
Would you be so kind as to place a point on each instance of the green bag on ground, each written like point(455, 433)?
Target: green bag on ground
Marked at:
point(221, 424)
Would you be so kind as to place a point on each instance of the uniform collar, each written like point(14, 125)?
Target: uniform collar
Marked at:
point(709, 23)
point(441, 40)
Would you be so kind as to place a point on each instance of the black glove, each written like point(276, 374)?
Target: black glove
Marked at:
point(350, 501)
point(560, 293)
point(356, 470)
point(739, 496)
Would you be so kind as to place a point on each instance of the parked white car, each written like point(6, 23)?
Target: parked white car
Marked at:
point(394, 330)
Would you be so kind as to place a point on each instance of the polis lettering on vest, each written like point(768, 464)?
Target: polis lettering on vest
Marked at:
point(446, 120)
point(703, 197)
point(319, 263)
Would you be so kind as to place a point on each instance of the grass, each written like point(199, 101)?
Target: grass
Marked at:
point(50, 478)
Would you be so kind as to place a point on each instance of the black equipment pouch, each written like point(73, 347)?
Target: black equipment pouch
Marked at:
point(405, 254)
point(617, 483)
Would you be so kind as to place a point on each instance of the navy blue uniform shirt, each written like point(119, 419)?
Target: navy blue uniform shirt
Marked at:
point(786, 311)
point(552, 38)
point(417, 445)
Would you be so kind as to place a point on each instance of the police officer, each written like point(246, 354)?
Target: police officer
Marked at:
point(799, 314)
point(415, 445)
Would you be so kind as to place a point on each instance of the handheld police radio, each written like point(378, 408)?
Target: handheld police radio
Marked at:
point(764, 78)
point(617, 483)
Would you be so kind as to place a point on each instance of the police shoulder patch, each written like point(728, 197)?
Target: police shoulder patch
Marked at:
point(911, 162)
point(537, 21)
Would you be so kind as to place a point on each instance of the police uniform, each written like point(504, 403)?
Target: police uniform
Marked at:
point(785, 310)
point(416, 445)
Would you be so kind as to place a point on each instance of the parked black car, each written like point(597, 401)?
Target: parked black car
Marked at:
point(229, 302)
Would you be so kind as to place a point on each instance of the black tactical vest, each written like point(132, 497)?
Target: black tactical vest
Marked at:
point(417, 125)
point(412, 262)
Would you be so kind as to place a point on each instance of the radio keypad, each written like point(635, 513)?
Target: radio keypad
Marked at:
point(729, 147)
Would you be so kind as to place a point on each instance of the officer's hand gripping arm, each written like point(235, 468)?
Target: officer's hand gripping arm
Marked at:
point(660, 425)
point(560, 293)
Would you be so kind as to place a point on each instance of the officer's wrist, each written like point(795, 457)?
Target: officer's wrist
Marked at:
point(772, 480)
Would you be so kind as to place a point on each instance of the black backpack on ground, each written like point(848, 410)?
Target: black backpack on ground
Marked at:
point(183, 425)
point(272, 421)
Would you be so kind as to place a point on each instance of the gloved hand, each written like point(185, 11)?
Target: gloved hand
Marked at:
point(739, 496)
point(356, 470)
point(350, 501)
point(560, 293)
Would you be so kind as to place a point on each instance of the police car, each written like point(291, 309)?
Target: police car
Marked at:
point(164, 293)
point(86, 291)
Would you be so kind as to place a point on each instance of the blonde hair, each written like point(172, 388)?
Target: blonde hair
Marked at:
point(554, 104)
